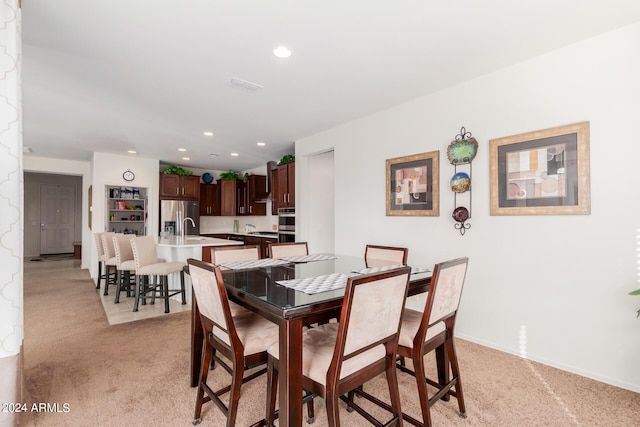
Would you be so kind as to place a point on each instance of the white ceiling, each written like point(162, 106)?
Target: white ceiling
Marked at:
point(152, 75)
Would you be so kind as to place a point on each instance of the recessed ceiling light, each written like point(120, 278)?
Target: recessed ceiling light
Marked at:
point(186, 158)
point(182, 149)
point(234, 154)
point(207, 133)
point(131, 151)
point(214, 154)
point(261, 143)
point(282, 52)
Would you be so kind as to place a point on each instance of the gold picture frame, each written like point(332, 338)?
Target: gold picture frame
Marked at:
point(413, 185)
point(545, 172)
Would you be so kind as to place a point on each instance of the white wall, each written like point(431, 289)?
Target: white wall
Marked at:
point(318, 201)
point(552, 288)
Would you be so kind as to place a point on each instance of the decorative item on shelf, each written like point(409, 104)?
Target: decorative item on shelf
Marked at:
point(207, 178)
point(177, 170)
point(230, 175)
point(461, 151)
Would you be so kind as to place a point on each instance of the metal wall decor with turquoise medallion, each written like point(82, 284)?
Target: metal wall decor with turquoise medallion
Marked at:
point(461, 152)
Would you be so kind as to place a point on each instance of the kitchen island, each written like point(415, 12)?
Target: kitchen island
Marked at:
point(176, 249)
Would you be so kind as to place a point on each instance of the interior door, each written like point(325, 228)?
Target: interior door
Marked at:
point(57, 219)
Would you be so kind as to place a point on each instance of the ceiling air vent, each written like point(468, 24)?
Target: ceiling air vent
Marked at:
point(250, 86)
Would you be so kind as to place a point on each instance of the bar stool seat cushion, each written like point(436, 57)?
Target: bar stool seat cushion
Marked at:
point(129, 265)
point(160, 268)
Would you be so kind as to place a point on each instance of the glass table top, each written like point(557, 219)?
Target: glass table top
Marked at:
point(261, 283)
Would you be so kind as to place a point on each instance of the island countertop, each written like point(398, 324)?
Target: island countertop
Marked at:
point(194, 241)
point(175, 249)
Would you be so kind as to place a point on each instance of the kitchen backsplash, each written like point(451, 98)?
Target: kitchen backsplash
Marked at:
point(225, 223)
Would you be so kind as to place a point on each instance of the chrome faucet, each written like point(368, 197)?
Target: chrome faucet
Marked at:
point(184, 225)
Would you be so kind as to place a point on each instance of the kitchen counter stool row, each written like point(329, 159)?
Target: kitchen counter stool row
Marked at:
point(131, 264)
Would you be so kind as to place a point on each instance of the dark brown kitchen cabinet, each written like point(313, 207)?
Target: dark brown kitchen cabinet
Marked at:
point(209, 199)
point(179, 187)
point(286, 186)
point(240, 198)
point(229, 197)
point(256, 188)
point(275, 191)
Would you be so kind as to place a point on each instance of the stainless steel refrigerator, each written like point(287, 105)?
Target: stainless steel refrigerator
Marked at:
point(173, 214)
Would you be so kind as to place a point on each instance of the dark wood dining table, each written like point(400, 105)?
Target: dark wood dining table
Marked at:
point(257, 290)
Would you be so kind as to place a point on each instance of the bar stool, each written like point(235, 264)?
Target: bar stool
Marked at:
point(109, 260)
point(148, 267)
point(125, 264)
point(101, 257)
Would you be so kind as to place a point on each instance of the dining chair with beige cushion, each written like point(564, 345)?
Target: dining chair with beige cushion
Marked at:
point(109, 260)
point(288, 249)
point(243, 340)
point(338, 357)
point(148, 268)
point(433, 329)
point(125, 264)
point(376, 255)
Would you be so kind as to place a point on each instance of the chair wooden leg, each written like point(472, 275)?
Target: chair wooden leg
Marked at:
point(394, 391)
point(139, 283)
point(442, 364)
point(311, 413)
point(119, 282)
point(234, 393)
point(272, 390)
point(106, 279)
point(182, 288)
point(99, 274)
point(421, 381)
point(165, 289)
point(455, 371)
point(204, 373)
point(333, 409)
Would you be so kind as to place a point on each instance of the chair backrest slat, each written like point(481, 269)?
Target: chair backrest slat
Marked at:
point(374, 308)
point(144, 251)
point(226, 254)
point(122, 247)
point(288, 249)
point(212, 299)
point(107, 245)
point(374, 254)
point(445, 290)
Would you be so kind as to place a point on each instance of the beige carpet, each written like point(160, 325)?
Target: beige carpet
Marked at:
point(137, 374)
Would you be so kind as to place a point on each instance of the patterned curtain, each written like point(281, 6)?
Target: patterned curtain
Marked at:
point(11, 209)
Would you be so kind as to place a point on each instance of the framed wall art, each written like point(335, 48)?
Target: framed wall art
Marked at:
point(544, 172)
point(412, 185)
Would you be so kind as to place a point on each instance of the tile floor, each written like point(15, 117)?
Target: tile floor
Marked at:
point(123, 311)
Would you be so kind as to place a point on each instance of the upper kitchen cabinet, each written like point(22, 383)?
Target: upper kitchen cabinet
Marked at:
point(255, 195)
point(284, 191)
point(229, 192)
point(242, 198)
point(209, 199)
point(179, 187)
